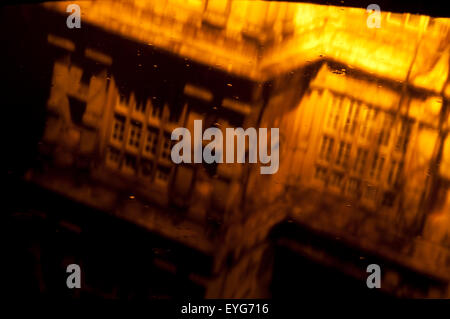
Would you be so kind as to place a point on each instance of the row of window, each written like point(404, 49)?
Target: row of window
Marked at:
point(134, 147)
point(353, 187)
point(128, 164)
point(375, 164)
point(377, 126)
point(138, 134)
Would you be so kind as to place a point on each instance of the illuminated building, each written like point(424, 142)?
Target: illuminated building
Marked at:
point(363, 118)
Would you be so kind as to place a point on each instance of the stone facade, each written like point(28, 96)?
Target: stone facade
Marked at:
point(363, 118)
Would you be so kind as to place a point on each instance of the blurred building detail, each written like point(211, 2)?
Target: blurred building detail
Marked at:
point(364, 147)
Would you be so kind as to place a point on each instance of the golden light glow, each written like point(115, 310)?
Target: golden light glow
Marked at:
point(363, 113)
point(291, 34)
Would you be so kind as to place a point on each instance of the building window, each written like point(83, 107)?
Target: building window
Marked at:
point(370, 192)
point(385, 133)
point(151, 141)
point(368, 117)
point(146, 168)
point(350, 122)
point(377, 165)
point(326, 149)
point(118, 128)
point(403, 137)
point(388, 199)
point(334, 113)
point(361, 158)
point(343, 155)
point(321, 173)
point(336, 179)
point(167, 148)
point(394, 172)
point(130, 163)
point(162, 174)
point(353, 186)
point(135, 134)
point(113, 156)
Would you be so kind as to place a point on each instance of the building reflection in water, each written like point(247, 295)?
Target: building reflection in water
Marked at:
point(364, 149)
